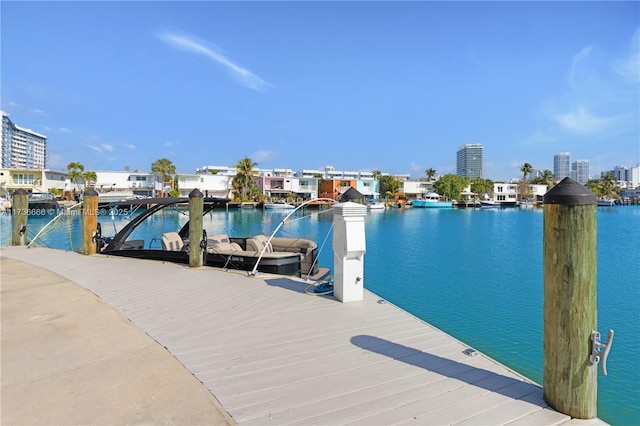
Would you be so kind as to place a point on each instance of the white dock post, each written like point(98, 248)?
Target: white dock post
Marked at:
point(349, 246)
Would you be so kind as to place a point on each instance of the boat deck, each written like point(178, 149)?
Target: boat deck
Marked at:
point(272, 354)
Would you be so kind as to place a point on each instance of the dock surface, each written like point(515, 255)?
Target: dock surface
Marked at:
point(271, 354)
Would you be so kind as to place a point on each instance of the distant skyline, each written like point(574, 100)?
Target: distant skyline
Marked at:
point(393, 86)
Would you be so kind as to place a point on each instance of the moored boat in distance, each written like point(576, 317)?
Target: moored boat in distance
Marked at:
point(489, 204)
point(375, 204)
point(432, 200)
point(607, 202)
point(43, 203)
point(278, 205)
point(116, 196)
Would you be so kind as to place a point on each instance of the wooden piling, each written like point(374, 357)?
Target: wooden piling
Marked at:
point(89, 221)
point(570, 310)
point(19, 216)
point(196, 206)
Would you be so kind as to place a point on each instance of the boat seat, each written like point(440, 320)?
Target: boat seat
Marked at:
point(254, 245)
point(224, 248)
point(171, 241)
point(264, 242)
point(215, 239)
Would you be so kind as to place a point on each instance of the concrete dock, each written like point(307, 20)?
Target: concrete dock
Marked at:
point(107, 340)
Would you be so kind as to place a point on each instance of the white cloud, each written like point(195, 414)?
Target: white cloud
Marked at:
point(584, 122)
point(64, 130)
point(130, 146)
point(101, 148)
point(629, 67)
point(190, 44)
point(575, 62)
point(264, 156)
point(38, 112)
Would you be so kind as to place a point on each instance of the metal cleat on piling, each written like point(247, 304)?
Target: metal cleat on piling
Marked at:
point(599, 350)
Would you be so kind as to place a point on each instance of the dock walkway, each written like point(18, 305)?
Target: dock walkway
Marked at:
point(271, 354)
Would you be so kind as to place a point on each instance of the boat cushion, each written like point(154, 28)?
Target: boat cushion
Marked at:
point(264, 241)
point(254, 245)
point(171, 241)
point(220, 238)
point(225, 247)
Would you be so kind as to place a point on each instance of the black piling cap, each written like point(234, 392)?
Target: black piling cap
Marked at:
point(20, 191)
point(90, 192)
point(570, 192)
point(196, 193)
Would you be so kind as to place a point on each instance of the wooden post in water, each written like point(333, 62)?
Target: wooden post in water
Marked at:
point(89, 221)
point(570, 266)
point(196, 206)
point(19, 215)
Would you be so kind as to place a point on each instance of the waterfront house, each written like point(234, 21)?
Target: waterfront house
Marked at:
point(144, 184)
point(332, 188)
point(211, 185)
point(367, 185)
point(31, 180)
point(276, 184)
point(414, 189)
point(508, 193)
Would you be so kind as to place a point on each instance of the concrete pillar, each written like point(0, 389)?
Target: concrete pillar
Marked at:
point(349, 247)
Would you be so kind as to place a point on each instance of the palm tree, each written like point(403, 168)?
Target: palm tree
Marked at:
point(243, 180)
point(482, 186)
point(607, 185)
point(431, 173)
point(390, 186)
point(90, 177)
point(165, 169)
point(526, 170)
point(75, 174)
point(547, 178)
point(377, 174)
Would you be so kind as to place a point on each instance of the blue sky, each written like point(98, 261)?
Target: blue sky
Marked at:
point(393, 86)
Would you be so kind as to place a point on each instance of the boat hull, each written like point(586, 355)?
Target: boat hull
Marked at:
point(289, 266)
point(278, 206)
point(432, 204)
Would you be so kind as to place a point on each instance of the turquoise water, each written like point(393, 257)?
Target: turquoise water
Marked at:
point(476, 274)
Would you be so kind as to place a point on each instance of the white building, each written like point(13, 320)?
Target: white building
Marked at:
point(20, 147)
point(508, 193)
point(580, 171)
point(561, 165)
point(145, 184)
point(414, 189)
point(635, 176)
point(217, 170)
point(211, 185)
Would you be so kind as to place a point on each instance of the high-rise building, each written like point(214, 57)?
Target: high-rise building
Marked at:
point(580, 171)
point(469, 160)
point(21, 148)
point(561, 165)
point(621, 173)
